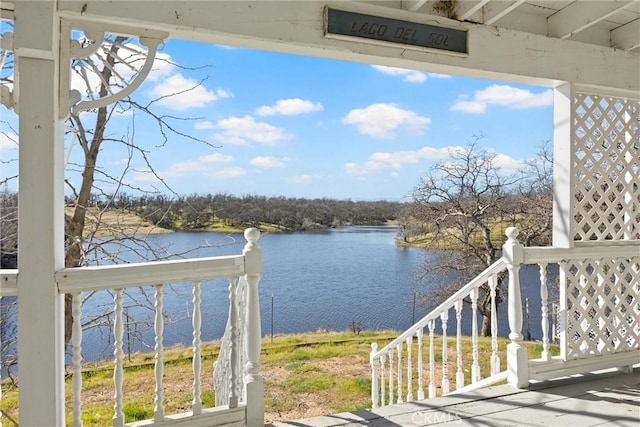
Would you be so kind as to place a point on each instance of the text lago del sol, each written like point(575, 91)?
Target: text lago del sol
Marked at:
point(409, 33)
point(400, 33)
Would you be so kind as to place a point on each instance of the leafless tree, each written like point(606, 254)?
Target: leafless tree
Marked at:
point(89, 181)
point(462, 200)
point(532, 210)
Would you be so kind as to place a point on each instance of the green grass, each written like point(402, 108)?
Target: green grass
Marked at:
point(136, 411)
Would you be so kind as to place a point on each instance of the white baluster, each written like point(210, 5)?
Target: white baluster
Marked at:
point(459, 372)
point(546, 355)
point(233, 356)
point(420, 368)
point(374, 374)
point(118, 353)
point(158, 326)
point(391, 357)
point(399, 351)
point(563, 310)
point(76, 343)
point(475, 366)
point(409, 341)
point(432, 361)
point(554, 322)
point(444, 317)
point(517, 357)
point(495, 359)
point(383, 361)
point(196, 405)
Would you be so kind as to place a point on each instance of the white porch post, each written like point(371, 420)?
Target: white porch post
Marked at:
point(563, 191)
point(563, 176)
point(517, 357)
point(41, 217)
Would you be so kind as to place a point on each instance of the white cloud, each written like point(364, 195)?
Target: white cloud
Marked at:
point(289, 107)
point(355, 170)
point(469, 107)
point(397, 159)
point(183, 168)
point(202, 167)
point(204, 125)
point(229, 173)
point(181, 93)
point(410, 76)
point(8, 140)
point(216, 158)
point(383, 120)
point(439, 76)
point(242, 130)
point(224, 93)
point(305, 178)
point(268, 162)
point(507, 163)
point(503, 95)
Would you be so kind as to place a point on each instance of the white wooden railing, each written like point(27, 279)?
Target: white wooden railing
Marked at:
point(599, 324)
point(393, 381)
point(242, 273)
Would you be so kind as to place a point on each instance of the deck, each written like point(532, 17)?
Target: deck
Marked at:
point(591, 400)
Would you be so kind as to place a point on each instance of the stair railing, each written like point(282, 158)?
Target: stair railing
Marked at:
point(388, 386)
point(598, 323)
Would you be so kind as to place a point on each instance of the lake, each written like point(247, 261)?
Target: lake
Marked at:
point(316, 280)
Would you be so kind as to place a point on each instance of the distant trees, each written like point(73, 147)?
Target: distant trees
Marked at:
point(199, 211)
point(465, 203)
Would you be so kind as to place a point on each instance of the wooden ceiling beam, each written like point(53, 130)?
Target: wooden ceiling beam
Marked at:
point(580, 15)
point(626, 37)
point(467, 8)
point(502, 10)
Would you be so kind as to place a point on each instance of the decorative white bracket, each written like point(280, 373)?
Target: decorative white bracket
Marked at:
point(71, 100)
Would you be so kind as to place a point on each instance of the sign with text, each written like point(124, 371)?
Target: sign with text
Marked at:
point(340, 22)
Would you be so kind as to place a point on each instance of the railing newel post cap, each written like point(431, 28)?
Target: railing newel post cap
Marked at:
point(374, 346)
point(252, 234)
point(512, 233)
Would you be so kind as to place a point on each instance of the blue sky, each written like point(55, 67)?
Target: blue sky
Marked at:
point(287, 125)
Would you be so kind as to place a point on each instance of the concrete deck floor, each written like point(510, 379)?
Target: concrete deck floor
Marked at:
point(590, 400)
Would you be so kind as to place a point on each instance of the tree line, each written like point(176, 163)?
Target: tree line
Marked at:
point(202, 211)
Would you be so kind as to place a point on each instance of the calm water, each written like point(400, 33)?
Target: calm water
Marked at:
point(316, 280)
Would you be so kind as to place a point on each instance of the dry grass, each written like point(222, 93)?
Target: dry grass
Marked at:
point(114, 222)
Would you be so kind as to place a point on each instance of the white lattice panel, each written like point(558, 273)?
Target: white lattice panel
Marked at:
point(606, 167)
point(603, 306)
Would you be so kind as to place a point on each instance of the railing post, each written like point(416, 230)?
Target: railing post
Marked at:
point(253, 383)
point(374, 375)
point(517, 357)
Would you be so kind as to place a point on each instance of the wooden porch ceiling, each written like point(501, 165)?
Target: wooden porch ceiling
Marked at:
point(612, 23)
point(593, 43)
